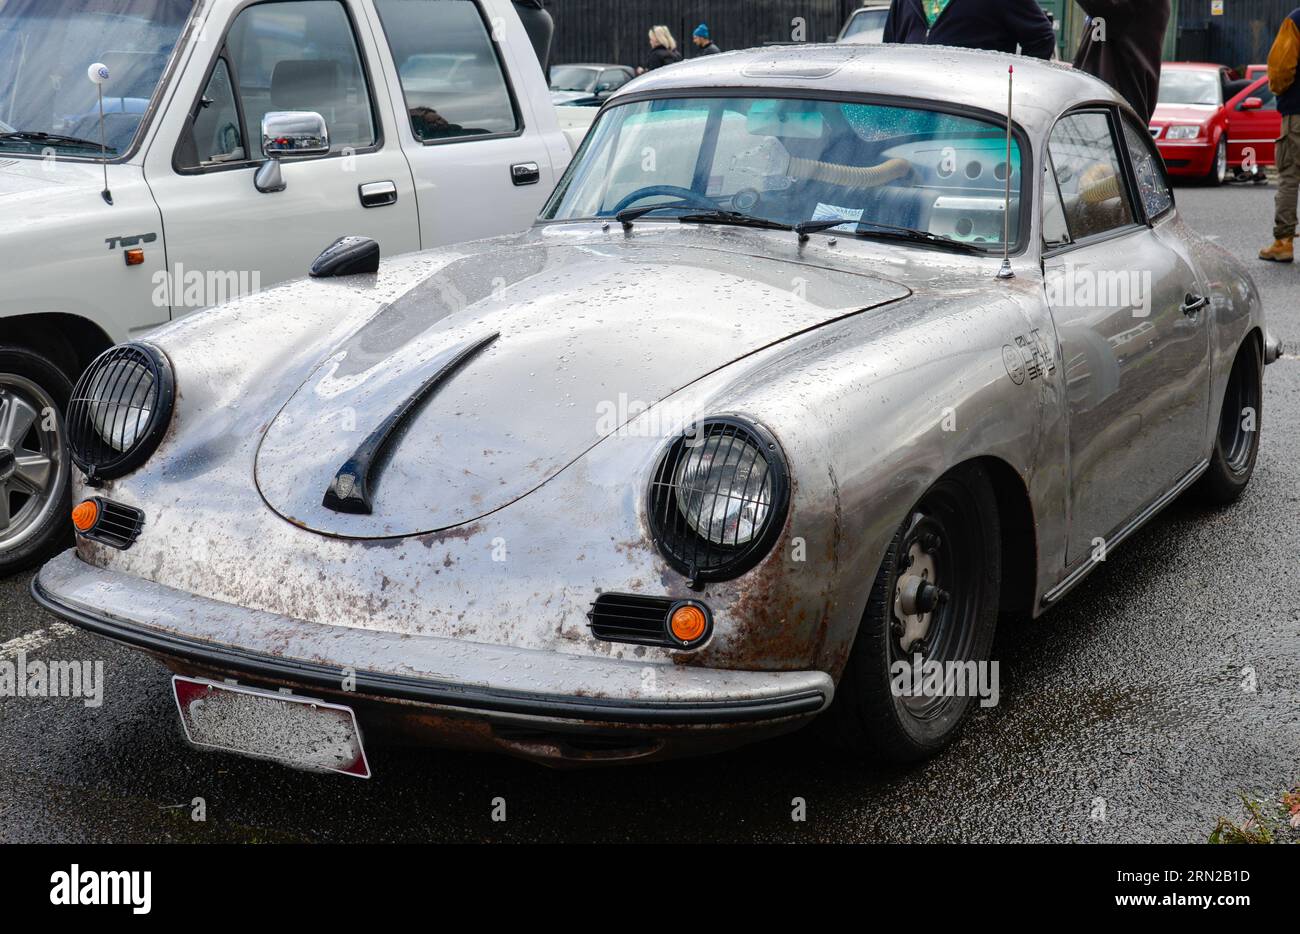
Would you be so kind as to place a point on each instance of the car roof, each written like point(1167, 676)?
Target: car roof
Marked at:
point(920, 72)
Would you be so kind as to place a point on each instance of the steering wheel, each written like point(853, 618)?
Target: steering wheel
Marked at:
point(649, 191)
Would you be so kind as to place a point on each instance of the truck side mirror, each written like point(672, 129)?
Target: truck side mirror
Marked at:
point(288, 133)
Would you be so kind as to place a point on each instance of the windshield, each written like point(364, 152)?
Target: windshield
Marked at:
point(571, 78)
point(790, 161)
point(867, 26)
point(46, 47)
point(1189, 87)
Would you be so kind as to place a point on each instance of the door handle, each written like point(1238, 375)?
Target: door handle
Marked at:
point(1194, 303)
point(377, 194)
point(525, 173)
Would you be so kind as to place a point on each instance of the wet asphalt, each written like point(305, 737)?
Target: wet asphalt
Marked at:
point(1126, 713)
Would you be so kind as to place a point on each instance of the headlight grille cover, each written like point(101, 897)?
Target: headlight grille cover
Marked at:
point(718, 499)
point(119, 410)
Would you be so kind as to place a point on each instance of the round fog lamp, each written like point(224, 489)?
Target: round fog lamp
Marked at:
point(687, 623)
point(84, 515)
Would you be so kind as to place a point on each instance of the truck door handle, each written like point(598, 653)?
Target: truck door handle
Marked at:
point(377, 194)
point(525, 173)
point(1194, 303)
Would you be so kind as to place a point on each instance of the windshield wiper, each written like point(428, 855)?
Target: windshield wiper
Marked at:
point(912, 235)
point(733, 219)
point(36, 136)
point(628, 215)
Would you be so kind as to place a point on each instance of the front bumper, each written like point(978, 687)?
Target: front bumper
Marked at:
point(1190, 158)
point(491, 685)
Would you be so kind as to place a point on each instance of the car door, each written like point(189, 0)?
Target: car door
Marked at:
point(223, 236)
point(479, 169)
point(1132, 328)
point(1253, 130)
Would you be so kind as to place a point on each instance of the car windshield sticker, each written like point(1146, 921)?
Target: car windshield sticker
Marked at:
point(830, 212)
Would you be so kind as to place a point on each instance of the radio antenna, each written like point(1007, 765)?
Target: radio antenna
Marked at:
point(98, 74)
point(1005, 272)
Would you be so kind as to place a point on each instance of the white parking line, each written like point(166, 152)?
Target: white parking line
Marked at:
point(34, 641)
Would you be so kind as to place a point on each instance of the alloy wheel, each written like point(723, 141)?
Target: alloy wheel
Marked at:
point(33, 465)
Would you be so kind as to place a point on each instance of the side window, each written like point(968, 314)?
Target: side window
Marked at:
point(1151, 185)
point(1055, 232)
point(613, 78)
point(215, 136)
point(301, 56)
point(1089, 175)
point(449, 70)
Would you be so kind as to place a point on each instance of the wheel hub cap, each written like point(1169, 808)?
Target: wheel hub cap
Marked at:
point(8, 464)
point(916, 597)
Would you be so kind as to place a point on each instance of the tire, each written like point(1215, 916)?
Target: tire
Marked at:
point(868, 719)
point(1218, 173)
point(1236, 443)
point(34, 502)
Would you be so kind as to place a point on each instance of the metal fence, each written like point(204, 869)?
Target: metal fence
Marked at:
point(1241, 36)
point(614, 31)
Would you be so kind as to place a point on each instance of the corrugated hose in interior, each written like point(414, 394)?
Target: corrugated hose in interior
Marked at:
point(850, 176)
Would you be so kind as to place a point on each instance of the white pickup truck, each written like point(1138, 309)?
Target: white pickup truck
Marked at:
point(239, 139)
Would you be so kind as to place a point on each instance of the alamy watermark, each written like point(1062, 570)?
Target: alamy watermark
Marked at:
point(22, 678)
point(1101, 288)
point(927, 678)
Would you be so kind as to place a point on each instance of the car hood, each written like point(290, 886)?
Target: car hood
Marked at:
point(37, 178)
point(1183, 113)
point(514, 359)
point(565, 97)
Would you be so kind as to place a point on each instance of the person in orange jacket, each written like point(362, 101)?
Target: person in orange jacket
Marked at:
point(1282, 62)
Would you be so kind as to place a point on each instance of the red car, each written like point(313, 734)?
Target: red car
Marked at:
point(1209, 123)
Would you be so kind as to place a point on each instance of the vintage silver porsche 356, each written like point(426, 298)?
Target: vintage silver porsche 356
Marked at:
point(814, 365)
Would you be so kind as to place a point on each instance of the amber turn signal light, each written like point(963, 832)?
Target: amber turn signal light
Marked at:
point(134, 257)
point(84, 515)
point(688, 623)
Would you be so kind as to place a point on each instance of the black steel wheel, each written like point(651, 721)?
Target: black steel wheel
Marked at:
point(1236, 443)
point(934, 600)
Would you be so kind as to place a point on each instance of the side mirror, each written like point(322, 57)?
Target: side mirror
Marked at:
point(604, 88)
point(1252, 103)
point(287, 133)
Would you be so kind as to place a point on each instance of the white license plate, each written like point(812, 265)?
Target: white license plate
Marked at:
point(297, 731)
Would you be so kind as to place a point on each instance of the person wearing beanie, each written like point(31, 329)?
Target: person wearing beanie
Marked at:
point(703, 41)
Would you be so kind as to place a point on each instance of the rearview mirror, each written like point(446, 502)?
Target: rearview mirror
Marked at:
point(1252, 103)
point(288, 133)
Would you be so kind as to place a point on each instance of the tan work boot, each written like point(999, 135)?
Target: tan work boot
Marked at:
point(1282, 251)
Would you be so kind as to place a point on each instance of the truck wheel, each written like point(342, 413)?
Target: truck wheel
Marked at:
point(34, 466)
point(936, 597)
point(1236, 444)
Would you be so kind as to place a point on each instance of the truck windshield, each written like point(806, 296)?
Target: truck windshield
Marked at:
point(794, 161)
point(46, 99)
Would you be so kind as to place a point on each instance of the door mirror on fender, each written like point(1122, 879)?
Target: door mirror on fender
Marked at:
point(289, 134)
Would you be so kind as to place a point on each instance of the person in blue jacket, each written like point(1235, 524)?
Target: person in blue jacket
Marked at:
point(997, 25)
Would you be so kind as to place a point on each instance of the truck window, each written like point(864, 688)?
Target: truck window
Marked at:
point(451, 77)
point(301, 56)
point(215, 136)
